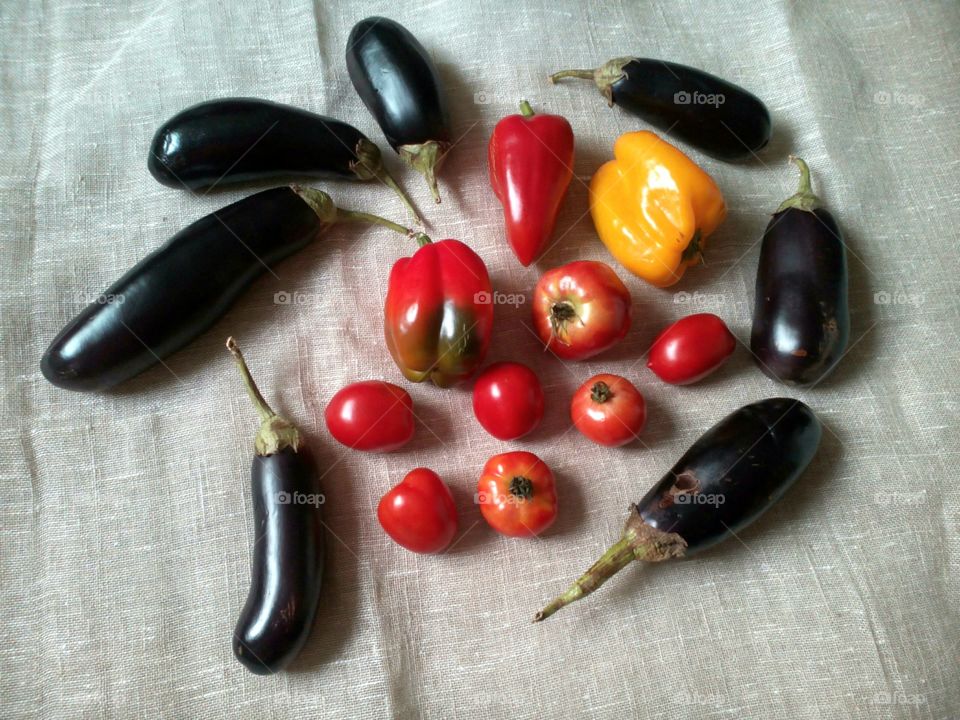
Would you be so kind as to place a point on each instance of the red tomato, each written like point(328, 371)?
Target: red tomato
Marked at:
point(508, 400)
point(517, 494)
point(691, 348)
point(581, 309)
point(419, 512)
point(609, 410)
point(371, 415)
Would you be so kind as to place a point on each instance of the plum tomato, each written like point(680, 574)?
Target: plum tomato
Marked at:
point(580, 309)
point(609, 410)
point(508, 400)
point(371, 415)
point(419, 512)
point(517, 494)
point(691, 348)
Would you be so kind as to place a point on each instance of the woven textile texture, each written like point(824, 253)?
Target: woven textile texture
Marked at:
point(125, 517)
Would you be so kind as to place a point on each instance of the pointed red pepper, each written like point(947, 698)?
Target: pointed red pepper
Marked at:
point(531, 165)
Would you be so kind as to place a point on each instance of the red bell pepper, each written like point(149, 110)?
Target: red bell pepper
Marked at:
point(439, 312)
point(531, 165)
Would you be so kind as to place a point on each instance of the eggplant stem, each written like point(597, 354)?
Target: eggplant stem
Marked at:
point(367, 218)
point(581, 74)
point(387, 179)
point(263, 407)
point(804, 198)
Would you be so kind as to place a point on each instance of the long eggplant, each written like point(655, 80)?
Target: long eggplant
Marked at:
point(398, 82)
point(233, 140)
point(706, 111)
point(174, 294)
point(288, 546)
point(801, 319)
point(725, 481)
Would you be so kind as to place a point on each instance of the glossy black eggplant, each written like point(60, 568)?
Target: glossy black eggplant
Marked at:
point(398, 82)
point(725, 481)
point(288, 546)
point(801, 319)
point(708, 112)
point(234, 140)
point(177, 292)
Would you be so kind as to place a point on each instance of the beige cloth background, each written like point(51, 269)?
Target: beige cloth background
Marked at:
point(125, 518)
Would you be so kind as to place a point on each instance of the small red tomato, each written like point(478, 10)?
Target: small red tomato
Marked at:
point(691, 348)
point(508, 400)
point(517, 494)
point(371, 415)
point(609, 410)
point(419, 512)
point(581, 309)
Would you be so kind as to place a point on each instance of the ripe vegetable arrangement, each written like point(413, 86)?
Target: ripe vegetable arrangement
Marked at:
point(653, 207)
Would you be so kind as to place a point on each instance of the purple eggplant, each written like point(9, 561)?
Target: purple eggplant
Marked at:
point(288, 547)
point(801, 321)
point(725, 481)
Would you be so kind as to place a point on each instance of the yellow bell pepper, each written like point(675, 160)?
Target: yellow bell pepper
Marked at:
point(654, 208)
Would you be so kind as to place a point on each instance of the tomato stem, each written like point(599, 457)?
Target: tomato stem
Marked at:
point(560, 314)
point(600, 393)
point(521, 487)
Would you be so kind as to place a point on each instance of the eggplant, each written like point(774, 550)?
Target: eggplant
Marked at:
point(288, 544)
point(174, 294)
point(726, 480)
point(234, 140)
point(707, 112)
point(801, 318)
point(396, 79)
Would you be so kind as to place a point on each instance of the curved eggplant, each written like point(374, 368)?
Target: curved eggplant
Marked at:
point(397, 81)
point(706, 111)
point(288, 547)
point(801, 320)
point(725, 481)
point(235, 140)
point(174, 294)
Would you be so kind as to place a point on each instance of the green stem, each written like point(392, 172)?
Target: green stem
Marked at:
point(804, 198)
point(362, 217)
point(369, 165)
point(422, 239)
point(581, 74)
point(276, 433)
point(526, 110)
point(263, 408)
point(387, 179)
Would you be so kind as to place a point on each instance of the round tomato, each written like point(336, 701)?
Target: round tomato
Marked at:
point(371, 415)
point(517, 494)
point(609, 410)
point(419, 512)
point(581, 309)
point(691, 348)
point(508, 400)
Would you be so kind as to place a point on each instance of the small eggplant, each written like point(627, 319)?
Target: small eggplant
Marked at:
point(397, 81)
point(174, 294)
point(288, 547)
point(236, 140)
point(725, 481)
point(801, 321)
point(710, 113)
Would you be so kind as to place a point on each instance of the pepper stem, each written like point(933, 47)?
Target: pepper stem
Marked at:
point(369, 165)
point(426, 158)
point(638, 541)
point(526, 110)
point(276, 432)
point(804, 198)
point(323, 205)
